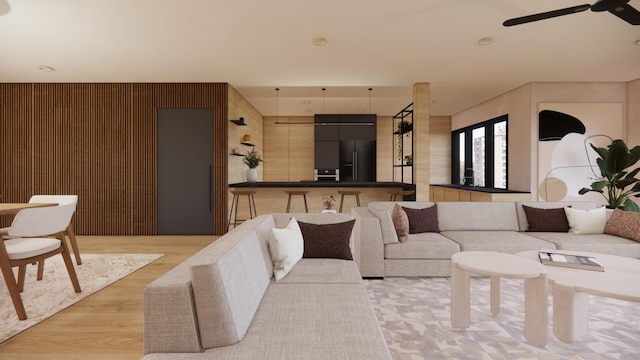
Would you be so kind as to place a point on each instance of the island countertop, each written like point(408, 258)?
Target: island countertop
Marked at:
point(270, 196)
point(322, 184)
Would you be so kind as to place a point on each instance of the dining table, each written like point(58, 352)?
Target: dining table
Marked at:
point(13, 208)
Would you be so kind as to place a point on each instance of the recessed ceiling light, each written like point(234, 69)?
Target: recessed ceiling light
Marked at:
point(46, 68)
point(319, 41)
point(485, 41)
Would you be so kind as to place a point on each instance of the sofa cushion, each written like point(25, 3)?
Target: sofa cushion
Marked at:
point(523, 225)
point(422, 246)
point(422, 220)
point(287, 247)
point(311, 321)
point(327, 240)
point(502, 241)
point(553, 219)
point(598, 243)
point(586, 221)
point(227, 291)
point(483, 216)
point(323, 271)
point(625, 224)
point(400, 222)
point(382, 209)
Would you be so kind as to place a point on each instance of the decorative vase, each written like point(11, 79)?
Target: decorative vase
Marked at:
point(252, 175)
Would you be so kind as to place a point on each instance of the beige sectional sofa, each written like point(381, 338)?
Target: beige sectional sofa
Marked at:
point(223, 303)
point(465, 226)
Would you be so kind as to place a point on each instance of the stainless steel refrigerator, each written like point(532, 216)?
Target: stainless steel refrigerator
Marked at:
point(358, 161)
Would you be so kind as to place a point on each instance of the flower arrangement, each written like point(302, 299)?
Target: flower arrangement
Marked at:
point(327, 201)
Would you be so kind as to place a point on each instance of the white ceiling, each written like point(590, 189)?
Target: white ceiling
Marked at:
point(258, 45)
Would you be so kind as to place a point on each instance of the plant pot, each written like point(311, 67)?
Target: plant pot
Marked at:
point(252, 175)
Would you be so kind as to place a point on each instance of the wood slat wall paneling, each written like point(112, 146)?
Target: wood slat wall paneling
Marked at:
point(99, 141)
point(15, 139)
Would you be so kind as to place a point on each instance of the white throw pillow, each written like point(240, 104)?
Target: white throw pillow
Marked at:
point(586, 221)
point(286, 246)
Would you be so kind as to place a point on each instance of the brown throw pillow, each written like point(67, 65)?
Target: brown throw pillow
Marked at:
point(546, 220)
point(625, 224)
point(422, 220)
point(400, 222)
point(327, 240)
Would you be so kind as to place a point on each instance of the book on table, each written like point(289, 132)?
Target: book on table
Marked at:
point(569, 260)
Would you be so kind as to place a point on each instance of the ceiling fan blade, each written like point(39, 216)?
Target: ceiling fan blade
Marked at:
point(627, 13)
point(546, 15)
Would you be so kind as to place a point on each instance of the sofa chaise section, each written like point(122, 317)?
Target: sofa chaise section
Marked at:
point(232, 308)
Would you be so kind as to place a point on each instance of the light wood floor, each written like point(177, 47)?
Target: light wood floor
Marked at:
point(108, 324)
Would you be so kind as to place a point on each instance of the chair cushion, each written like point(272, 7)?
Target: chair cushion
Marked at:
point(23, 248)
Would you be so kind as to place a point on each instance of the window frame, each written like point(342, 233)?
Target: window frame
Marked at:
point(489, 159)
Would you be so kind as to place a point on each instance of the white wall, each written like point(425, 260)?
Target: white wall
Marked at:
point(521, 104)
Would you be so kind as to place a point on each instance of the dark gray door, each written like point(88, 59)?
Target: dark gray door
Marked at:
point(185, 159)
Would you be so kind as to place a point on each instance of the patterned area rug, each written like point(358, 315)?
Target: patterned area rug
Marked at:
point(415, 317)
point(54, 292)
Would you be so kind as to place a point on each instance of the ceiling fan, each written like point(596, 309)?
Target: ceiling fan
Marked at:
point(619, 8)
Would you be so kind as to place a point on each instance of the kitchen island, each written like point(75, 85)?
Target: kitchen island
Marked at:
point(270, 196)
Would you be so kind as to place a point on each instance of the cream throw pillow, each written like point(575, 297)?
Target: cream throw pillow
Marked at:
point(586, 221)
point(286, 246)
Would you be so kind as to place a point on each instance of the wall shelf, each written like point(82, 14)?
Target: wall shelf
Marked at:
point(239, 122)
point(237, 154)
point(246, 143)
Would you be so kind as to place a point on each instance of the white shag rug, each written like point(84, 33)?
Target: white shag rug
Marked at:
point(415, 316)
point(54, 292)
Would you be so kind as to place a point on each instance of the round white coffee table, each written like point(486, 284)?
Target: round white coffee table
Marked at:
point(571, 286)
point(497, 265)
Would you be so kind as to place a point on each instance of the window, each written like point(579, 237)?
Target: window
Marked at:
point(479, 154)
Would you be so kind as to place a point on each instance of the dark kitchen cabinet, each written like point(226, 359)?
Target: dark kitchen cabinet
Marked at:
point(346, 142)
point(326, 127)
point(358, 127)
point(327, 154)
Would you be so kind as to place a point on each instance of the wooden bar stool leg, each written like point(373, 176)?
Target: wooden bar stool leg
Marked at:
point(305, 203)
point(289, 203)
point(231, 212)
point(358, 199)
point(253, 200)
point(341, 202)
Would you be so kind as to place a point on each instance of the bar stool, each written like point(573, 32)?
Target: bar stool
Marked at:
point(395, 193)
point(349, 192)
point(236, 200)
point(297, 192)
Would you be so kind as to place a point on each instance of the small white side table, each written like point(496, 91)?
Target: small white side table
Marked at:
point(498, 265)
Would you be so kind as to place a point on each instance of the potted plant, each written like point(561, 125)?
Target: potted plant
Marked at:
point(252, 159)
point(403, 127)
point(617, 183)
point(408, 160)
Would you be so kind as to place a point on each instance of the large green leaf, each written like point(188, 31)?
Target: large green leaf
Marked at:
point(630, 205)
point(634, 156)
point(618, 156)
